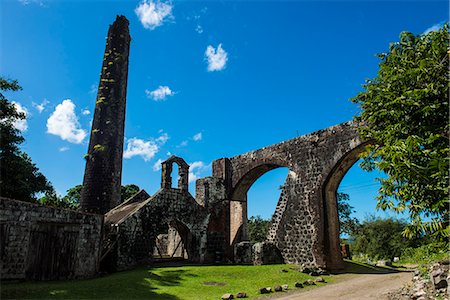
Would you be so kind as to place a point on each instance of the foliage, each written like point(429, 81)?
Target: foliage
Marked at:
point(73, 195)
point(72, 198)
point(165, 283)
point(347, 224)
point(425, 254)
point(19, 177)
point(257, 229)
point(381, 238)
point(128, 190)
point(52, 199)
point(405, 110)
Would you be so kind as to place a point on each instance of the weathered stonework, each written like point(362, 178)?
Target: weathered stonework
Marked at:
point(305, 225)
point(139, 223)
point(47, 243)
point(266, 253)
point(243, 253)
point(103, 174)
point(42, 243)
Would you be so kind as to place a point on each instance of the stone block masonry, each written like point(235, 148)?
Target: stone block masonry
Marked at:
point(103, 173)
point(46, 243)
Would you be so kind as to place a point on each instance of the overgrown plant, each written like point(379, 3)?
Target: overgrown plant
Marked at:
point(404, 110)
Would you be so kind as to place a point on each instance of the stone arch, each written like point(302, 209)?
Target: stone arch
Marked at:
point(238, 199)
point(317, 161)
point(331, 241)
point(183, 173)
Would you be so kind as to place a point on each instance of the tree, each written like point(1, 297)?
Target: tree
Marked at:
point(404, 109)
point(128, 190)
point(72, 198)
point(19, 177)
point(74, 195)
point(347, 224)
point(257, 229)
point(381, 238)
point(52, 199)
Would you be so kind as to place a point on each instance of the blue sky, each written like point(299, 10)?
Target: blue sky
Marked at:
point(206, 79)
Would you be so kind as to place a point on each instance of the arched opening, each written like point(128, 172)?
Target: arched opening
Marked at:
point(173, 243)
point(331, 237)
point(170, 178)
point(174, 175)
point(264, 187)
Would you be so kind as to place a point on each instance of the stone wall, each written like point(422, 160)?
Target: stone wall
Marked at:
point(305, 225)
point(167, 208)
point(45, 243)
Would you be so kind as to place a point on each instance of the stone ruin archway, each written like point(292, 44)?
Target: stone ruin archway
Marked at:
point(239, 203)
point(331, 219)
point(305, 220)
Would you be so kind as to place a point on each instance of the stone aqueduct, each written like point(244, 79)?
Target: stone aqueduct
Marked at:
point(111, 236)
point(305, 225)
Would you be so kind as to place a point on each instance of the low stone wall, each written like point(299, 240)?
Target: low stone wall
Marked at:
point(46, 243)
point(264, 253)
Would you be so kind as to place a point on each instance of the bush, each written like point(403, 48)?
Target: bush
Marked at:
point(425, 254)
point(381, 238)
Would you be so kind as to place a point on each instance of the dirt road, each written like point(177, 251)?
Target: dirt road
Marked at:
point(365, 286)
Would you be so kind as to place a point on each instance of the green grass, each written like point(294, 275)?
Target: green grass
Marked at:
point(167, 283)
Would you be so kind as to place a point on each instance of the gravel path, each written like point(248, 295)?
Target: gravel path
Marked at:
point(366, 286)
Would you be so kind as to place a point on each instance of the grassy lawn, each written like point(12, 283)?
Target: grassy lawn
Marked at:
point(163, 283)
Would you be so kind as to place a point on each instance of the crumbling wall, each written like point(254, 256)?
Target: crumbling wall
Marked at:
point(138, 230)
point(46, 243)
point(211, 194)
point(305, 224)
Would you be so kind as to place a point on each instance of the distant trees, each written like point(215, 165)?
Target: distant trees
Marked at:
point(347, 224)
point(405, 109)
point(72, 199)
point(19, 177)
point(258, 228)
point(128, 190)
point(381, 238)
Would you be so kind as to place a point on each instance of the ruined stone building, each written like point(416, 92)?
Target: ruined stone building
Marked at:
point(48, 243)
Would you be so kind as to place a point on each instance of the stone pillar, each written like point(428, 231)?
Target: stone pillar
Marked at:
point(103, 173)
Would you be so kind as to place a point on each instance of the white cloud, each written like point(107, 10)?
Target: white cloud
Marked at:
point(85, 112)
point(21, 125)
point(217, 58)
point(160, 93)
point(144, 149)
point(163, 138)
point(196, 169)
point(157, 165)
point(199, 29)
point(63, 149)
point(197, 137)
point(63, 122)
point(40, 107)
point(153, 13)
point(27, 2)
point(138, 147)
point(183, 144)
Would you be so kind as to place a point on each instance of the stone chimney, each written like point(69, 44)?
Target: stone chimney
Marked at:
point(103, 173)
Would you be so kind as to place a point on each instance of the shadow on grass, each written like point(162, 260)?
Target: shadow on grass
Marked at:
point(361, 268)
point(135, 284)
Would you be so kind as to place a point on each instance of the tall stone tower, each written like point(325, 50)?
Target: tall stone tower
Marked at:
point(103, 173)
